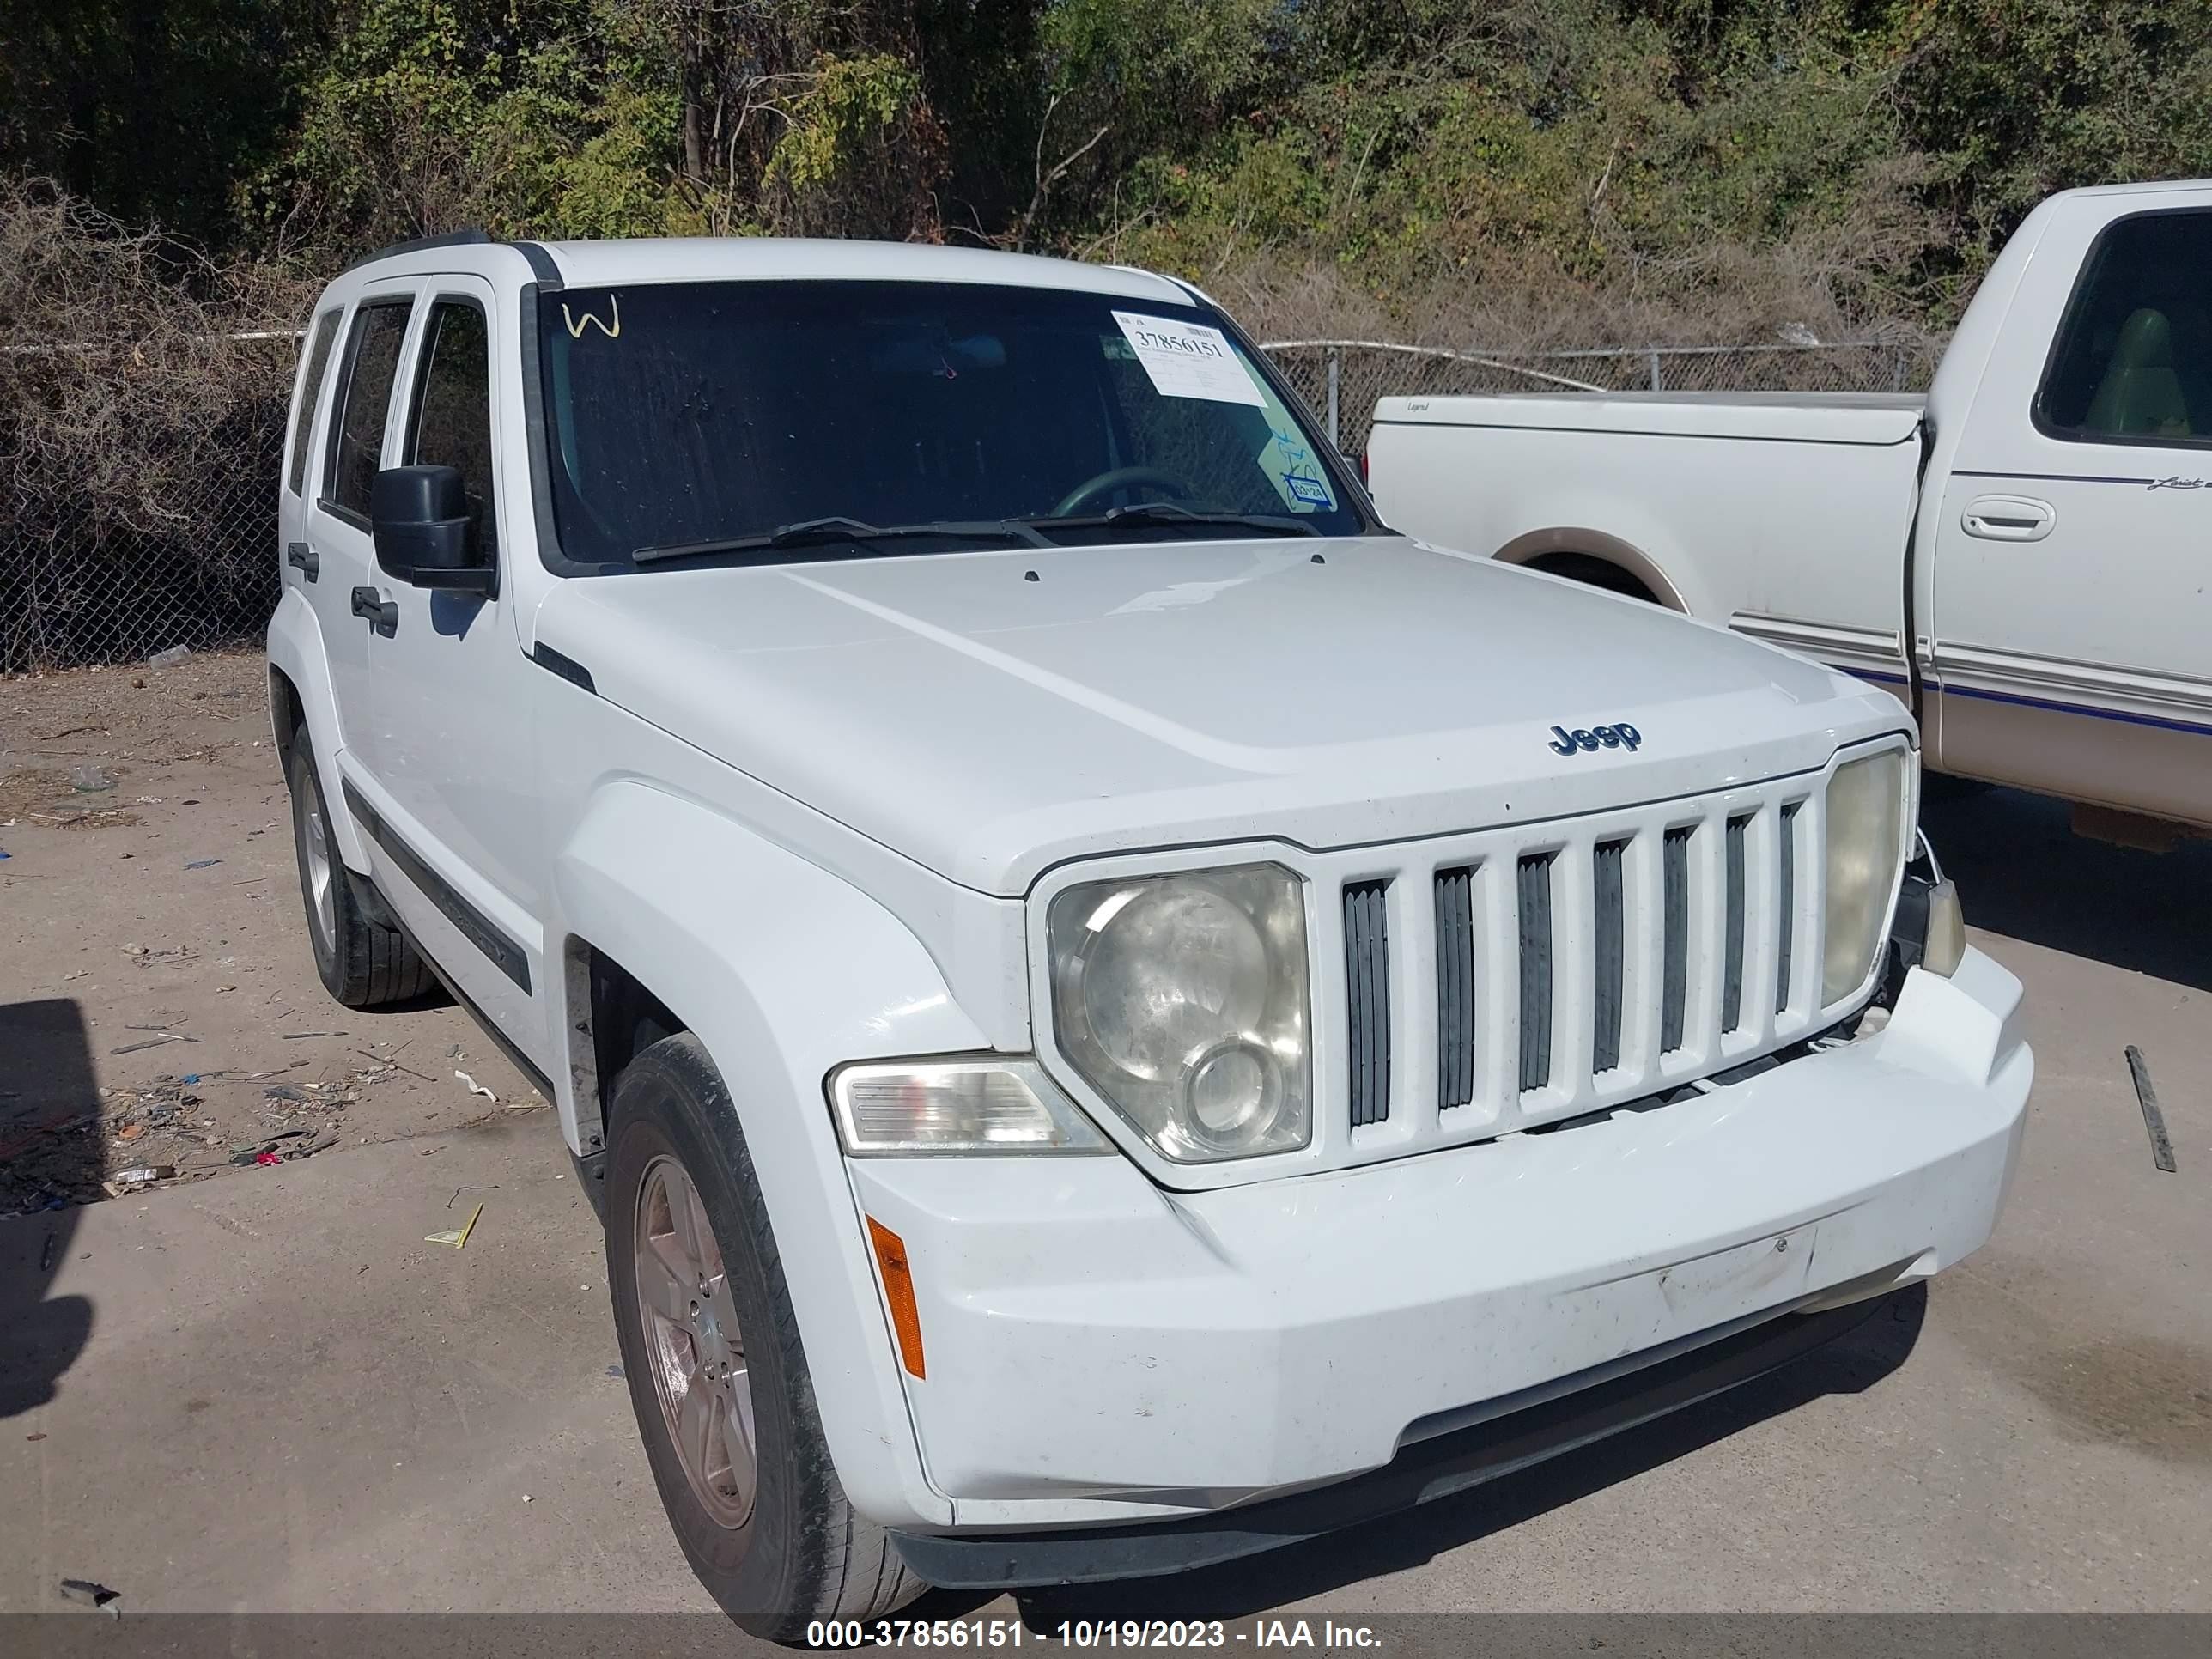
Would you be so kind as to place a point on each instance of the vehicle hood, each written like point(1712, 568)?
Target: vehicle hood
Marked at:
point(993, 713)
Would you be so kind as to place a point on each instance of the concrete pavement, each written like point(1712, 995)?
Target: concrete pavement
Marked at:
point(290, 1403)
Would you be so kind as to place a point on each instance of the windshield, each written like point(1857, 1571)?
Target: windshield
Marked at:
point(686, 415)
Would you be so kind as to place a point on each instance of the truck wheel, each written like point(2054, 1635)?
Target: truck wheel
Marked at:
point(363, 963)
point(718, 1379)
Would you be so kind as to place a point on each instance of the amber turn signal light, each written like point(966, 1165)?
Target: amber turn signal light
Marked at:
point(898, 1291)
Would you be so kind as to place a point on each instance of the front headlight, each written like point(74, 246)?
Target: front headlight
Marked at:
point(1183, 1000)
point(1866, 841)
point(997, 1103)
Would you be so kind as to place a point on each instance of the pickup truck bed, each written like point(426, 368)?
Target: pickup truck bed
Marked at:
point(1765, 511)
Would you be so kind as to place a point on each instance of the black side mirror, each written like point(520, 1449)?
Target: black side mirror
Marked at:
point(419, 518)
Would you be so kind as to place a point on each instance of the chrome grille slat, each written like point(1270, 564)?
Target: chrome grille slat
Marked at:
point(1367, 970)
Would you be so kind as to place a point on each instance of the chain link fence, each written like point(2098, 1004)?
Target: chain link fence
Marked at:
point(80, 583)
point(97, 568)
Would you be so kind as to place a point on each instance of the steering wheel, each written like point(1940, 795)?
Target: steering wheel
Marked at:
point(1093, 491)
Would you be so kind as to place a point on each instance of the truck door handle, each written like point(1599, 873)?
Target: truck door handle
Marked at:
point(383, 614)
point(300, 556)
point(2008, 519)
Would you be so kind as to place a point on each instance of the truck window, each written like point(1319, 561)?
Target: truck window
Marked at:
point(311, 391)
point(451, 425)
point(2133, 360)
point(681, 413)
point(357, 430)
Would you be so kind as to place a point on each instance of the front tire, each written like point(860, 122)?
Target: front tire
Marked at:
point(717, 1376)
point(362, 962)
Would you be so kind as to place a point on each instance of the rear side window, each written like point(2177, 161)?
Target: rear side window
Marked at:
point(358, 431)
point(2133, 360)
point(311, 391)
point(452, 422)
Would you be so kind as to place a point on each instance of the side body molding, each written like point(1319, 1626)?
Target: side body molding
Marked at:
point(783, 971)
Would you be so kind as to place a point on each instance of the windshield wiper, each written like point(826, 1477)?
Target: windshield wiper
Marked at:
point(830, 532)
point(1168, 513)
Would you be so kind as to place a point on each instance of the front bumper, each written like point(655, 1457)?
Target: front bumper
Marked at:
point(1101, 1351)
point(1521, 1436)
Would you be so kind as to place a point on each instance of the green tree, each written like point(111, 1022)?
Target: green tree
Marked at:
point(2015, 99)
point(151, 109)
point(612, 118)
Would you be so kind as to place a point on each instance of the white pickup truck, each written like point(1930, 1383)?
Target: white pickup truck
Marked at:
point(1118, 1012)
point(2039, 526)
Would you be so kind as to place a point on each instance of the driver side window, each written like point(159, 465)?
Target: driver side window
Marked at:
point(357, 429)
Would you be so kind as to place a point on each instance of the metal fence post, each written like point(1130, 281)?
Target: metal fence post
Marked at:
point(1335, 369)
point(1656, 385)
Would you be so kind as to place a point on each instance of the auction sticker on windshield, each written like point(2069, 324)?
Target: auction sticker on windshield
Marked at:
point(1290, 467)
point(1189, 360)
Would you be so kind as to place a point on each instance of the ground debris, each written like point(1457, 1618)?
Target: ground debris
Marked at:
point(456, 1237)
point(65, 1159)
point(391, 1063)
point(145, 1175)
point(286, 1146)
point(94, 1595)
point(168, 955)
point(152, 1042)
point(2162, 1145)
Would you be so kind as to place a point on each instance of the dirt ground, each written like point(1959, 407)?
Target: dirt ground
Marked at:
point(152, 920)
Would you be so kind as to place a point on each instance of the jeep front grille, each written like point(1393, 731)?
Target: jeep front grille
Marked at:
point(1559, 969)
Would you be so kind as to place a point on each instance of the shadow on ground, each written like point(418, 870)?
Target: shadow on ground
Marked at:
point(52, 1159)
point(2022, 872)
point(1852, 1363)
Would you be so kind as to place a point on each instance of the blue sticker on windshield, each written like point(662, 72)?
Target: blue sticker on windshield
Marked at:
point(1290, 465)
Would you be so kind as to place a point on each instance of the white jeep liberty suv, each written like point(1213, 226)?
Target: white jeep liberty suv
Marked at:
point(1118, 1011)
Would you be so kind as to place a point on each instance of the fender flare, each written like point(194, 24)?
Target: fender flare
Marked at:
point(1631, 561)
point(296, 649)
point(783, 971)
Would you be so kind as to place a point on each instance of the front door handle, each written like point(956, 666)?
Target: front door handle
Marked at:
point(383, 614)
point(2008, 519)
point(302, 557)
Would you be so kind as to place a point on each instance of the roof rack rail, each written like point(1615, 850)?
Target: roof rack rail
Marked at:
point(475, 237)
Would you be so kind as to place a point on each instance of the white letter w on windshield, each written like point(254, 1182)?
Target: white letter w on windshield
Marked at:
point(577, 325)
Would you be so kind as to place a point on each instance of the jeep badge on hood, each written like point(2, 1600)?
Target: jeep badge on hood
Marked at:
point(1622, 736)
